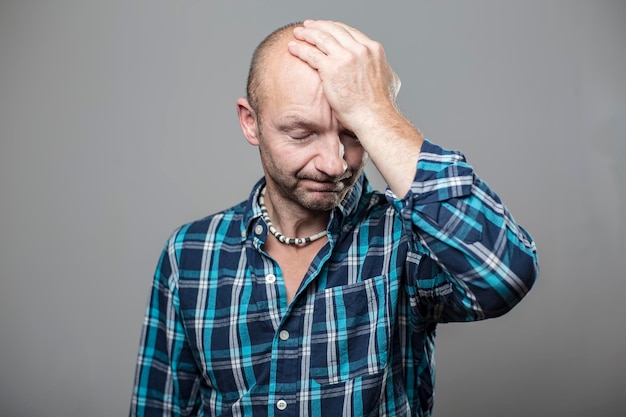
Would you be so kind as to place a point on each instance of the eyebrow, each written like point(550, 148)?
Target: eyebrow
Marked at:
point(290, 122)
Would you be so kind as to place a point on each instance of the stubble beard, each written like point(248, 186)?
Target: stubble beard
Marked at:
point(311, 200)
point(289, 187)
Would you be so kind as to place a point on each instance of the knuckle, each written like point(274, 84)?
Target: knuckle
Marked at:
point(324, 39)
point(361, 50)
point(377, 46)
point(313, 60)
point(377, 49)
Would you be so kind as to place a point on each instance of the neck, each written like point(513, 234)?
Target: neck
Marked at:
point(289, 228)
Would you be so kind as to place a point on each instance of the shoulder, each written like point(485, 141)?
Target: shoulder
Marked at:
point(223, 225)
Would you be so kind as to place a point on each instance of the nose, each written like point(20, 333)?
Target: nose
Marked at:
point(330, 159)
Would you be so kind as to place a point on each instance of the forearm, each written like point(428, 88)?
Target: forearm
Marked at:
point(393, 146)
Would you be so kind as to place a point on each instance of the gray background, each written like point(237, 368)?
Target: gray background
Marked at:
point(118, 123)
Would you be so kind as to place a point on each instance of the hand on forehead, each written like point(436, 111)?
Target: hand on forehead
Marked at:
point(355, 74)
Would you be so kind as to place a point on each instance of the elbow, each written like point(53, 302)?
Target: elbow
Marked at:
point(530, 271)
point(511, 285)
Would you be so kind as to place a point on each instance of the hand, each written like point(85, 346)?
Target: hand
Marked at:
point(358, 82)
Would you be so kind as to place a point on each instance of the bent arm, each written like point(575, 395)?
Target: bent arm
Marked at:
point(479, 262)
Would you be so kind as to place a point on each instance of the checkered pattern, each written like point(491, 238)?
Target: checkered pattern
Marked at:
point(358, 339)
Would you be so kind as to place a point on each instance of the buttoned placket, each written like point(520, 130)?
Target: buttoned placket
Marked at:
point(285, 352)
point(287, 357)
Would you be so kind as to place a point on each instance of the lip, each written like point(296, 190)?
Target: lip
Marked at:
point(327, 187)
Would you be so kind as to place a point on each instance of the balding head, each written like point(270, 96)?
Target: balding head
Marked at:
point(257, 79)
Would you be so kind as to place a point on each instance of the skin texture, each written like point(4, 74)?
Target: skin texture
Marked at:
point(361, 88)
point(328, 101)
point(309, 159)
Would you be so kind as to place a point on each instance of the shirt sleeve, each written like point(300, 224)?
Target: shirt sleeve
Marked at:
point(166, 377)
point(476, 262)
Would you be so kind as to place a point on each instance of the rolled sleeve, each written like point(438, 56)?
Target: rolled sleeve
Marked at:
point(486, 262)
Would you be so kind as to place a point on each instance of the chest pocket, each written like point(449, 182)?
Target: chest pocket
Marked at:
point(351, 329)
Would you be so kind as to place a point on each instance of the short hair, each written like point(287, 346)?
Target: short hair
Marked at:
point(256, 78)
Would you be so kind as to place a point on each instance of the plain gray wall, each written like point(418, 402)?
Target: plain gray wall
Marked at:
point(118, 123)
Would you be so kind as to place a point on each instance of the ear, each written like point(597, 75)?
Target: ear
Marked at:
point(248, 121)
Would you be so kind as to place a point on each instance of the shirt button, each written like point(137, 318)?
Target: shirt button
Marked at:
point(281, 404)
point(258, 229)
point(284, 335)
point(270, 278)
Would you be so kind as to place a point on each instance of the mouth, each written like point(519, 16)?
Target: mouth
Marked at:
point(329, 187)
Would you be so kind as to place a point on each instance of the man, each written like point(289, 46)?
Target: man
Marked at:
point(317, 295)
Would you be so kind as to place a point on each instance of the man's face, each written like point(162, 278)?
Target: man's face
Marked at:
point(307, 156)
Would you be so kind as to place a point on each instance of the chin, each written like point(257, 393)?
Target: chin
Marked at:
point(325, 202)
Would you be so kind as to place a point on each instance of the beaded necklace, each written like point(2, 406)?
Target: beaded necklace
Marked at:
point(277, 234)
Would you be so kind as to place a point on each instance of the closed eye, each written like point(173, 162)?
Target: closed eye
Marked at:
point(301, 136)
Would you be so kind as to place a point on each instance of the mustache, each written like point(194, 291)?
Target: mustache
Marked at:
point(323, 178)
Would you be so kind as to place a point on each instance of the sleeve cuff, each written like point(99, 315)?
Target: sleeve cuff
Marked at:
point(441, 175)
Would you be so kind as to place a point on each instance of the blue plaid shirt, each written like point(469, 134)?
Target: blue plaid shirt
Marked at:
point(219, 338)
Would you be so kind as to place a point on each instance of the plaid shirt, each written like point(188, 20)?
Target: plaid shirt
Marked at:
point(219, 338)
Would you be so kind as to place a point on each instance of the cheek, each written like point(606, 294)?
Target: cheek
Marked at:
point(290, 159)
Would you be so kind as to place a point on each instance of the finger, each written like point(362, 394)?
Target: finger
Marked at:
point(345, 34)
point(355, 33)
point(322, 38)
point(307, 53)
point(333, 37)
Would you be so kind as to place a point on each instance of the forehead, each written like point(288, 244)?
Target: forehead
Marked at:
point(292, 86)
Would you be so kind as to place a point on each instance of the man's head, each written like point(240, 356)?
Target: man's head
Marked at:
point(308, 158)
point(258, 65)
